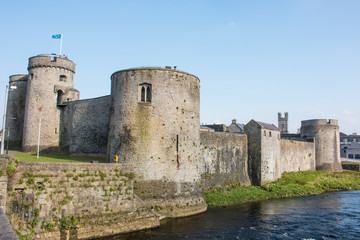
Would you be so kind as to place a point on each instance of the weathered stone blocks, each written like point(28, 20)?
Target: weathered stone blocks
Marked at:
point(49, 88)
point(327, 142)
point(154, 125)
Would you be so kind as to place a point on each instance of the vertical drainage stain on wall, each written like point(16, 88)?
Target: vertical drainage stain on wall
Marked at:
point(177, 153)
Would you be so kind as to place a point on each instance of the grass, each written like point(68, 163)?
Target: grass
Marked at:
point(290, 185)
point(28, 157)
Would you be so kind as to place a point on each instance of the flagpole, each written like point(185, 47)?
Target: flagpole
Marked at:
point(61, 38)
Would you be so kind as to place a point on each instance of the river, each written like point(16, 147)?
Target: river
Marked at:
point(328, 216)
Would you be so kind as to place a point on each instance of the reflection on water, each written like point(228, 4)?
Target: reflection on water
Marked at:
point(330, 216)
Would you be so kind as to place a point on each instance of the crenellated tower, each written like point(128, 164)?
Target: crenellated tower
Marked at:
point(50, 87)
point(283, 123)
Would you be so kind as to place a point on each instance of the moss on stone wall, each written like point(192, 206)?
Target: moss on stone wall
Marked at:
point(61, 197)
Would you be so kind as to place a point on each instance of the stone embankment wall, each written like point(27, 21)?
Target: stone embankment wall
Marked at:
point(3, 182)
point(85, 126)
point(76, 201)
point(225, 159)
point(297, 156)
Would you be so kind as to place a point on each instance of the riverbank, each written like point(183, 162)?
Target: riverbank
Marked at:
point(290, 185)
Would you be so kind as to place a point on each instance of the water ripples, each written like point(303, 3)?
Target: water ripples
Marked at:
point(325, 217)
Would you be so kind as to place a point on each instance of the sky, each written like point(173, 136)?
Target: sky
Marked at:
point(254, 58)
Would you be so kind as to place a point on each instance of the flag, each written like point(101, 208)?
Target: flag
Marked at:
point(56, 36)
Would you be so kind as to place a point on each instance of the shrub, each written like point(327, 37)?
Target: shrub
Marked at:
point(31, 180)
point(68, 223)
point(10, 169)
point(34, 223)
point(63, 202)
point(36, 212)
point(49, 227)
point(102, 175)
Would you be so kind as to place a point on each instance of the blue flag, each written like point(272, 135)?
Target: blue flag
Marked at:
point(56, 36)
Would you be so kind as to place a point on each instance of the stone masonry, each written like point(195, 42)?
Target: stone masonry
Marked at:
point(151, 123)
point(49, 88)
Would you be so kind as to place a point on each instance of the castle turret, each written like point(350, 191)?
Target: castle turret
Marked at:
point(155, 125)
point(15, 110)
point(327, 142)
point(50, 87)
point(283, 123)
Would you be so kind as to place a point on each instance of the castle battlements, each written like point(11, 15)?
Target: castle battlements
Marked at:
point(18, 78)
point(319, 122)
point(155, 68)
point(51, 61)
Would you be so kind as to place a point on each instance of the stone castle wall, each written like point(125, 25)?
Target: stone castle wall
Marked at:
point(297, 156)
point(327, 141)
point(151, 122)
point(253, 133)
point(225, 159)
point(50, 81)
point(270, 156)
point(85, 126)
point(16, 109)
point(159, 135)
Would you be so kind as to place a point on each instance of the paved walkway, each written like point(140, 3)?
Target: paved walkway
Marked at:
point(6, 231)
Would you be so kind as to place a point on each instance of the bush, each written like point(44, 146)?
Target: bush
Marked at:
point(31, 180)
point(49, 227)
point(36, 212)
point(68, 223)
point(10, 169)
point(63, 202)
point(34, 223)
point(102, 175)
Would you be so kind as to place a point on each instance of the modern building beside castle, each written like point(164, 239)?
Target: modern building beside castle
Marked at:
point(151, 120)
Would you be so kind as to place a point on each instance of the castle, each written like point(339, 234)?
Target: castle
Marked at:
point(151, 120)
point(151, 113)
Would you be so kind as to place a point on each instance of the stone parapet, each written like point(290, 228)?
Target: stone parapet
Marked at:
point(51, 61)
point(312, 122)
point(18, 77)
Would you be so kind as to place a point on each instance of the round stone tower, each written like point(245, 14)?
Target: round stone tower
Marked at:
point(15, 110)
point(155, 125)
point(50, 87)
point(327, 142)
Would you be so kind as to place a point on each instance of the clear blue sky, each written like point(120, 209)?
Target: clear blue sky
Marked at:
point(253, 58)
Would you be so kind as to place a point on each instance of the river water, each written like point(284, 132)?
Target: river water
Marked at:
point(328, 216)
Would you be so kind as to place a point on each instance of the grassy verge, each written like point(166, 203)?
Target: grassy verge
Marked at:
point(290, 185)
point(27, 157)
